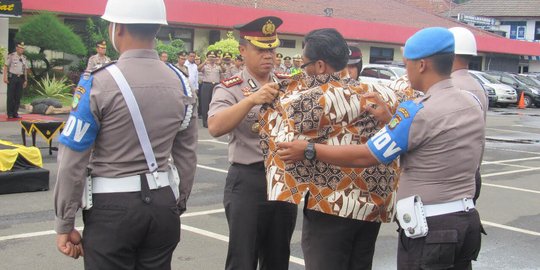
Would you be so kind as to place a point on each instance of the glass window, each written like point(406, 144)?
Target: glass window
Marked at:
point(380, 54)
point(165, 34)
point(369, 72)
point(287, 43)
point(489, 78)
point(386, 74)
point(399, 71)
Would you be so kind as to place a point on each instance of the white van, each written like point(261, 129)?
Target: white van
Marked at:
point(505, 94)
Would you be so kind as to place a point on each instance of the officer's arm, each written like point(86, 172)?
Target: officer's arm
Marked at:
point(350, 156)
point(69, 186)
point(5, 73)
point(184, 154)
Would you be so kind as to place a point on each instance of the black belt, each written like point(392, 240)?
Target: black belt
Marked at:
point(16, 75)
point(259, 164)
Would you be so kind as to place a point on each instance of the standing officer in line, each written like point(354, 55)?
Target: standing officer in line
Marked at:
point(16, 78)
point(211, 75)
point(258, 229)
point(465, 50)
point(133, 222)
point(99, 59)
point(226, 66)
point(354, 65)
point(278, 66)
point(180, 64)
point(164, 56)
point(429, 133)
point(287, 64)
point(238, 65)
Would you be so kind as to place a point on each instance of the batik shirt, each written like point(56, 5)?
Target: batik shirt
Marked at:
point(328, 109)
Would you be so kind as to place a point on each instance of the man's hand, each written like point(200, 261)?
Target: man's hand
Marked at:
point(377, 107)
point(6, 81)
point(25, 84)
point(266, 94)
point(291, 152)
point(70, 244)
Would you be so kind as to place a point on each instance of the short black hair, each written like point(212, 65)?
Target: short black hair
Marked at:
point(442, 63)
point(143, 31)
point(328, 45)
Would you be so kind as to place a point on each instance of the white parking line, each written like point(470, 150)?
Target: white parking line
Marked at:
point(202, 213)
point(213, 141)
point(509, 160)
point(211, 168)
point(513, 150)
point(512, 188)
point(509, 172)
point(224, 238)
point(510, 228)
point(515, 131)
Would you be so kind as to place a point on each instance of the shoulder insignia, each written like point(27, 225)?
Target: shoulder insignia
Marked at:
point(235, 80)
point(281, 75)
point(252, 84)
point(102, 67)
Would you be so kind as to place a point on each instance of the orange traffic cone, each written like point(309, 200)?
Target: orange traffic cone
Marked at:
point(521, 103)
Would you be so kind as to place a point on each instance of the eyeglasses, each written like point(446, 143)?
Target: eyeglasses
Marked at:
point(307, 64)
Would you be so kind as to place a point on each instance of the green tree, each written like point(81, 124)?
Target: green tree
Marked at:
point(172, 48)
point(47, 32)
point(228, 44)
point(97, 30)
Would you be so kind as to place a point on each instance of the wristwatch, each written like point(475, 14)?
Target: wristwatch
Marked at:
point(309, 152)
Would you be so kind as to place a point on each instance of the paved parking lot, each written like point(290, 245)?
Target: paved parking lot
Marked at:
point(509, 207)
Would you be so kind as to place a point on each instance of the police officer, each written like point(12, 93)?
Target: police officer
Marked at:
point(180, 64)
point(164, 56)
point(354, 65)
point(133, 222)
point(297, 64)
point(258, 229)
point(238, 65)
point(16, 78)
point(287, 64)
point(99, 59)
point(429, 133)
point(465, 49)
point(211, 75)
point(278, 66)
point(226, 66)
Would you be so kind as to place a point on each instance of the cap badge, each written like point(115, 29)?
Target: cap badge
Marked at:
point(268, 28)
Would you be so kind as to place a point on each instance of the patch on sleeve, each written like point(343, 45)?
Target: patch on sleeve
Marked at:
point(235, 80)
point(393, 139)
point(81, 129)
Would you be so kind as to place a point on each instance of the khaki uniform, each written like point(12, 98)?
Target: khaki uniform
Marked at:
point(184, 70)
point(96, 61)
point(464, 81)
point(227, 71)
point(253, 221)
point(235, 70)
point(211, 75)
point(16, 66)
point(115, 152)
point(445, 144)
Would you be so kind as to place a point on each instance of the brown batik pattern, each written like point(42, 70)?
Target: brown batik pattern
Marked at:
point(328, 109)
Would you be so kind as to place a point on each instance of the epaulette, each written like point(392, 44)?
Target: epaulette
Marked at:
point(282, 76)
point(235, 80)
point(102, 67)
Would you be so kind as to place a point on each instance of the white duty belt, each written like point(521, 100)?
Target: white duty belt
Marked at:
point(464, 204)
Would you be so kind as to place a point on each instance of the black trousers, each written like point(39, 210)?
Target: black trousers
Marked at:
point(207, 91)
point(453, 240)
point(14, 94)
point(123, 232)
point(336, 243)
point(260, 231)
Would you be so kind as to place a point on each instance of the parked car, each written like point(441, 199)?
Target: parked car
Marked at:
point(534, 77)
point(521, 84)
point(505, 94)
point(383, 74)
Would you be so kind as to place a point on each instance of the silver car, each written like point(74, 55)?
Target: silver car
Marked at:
point(505, 94)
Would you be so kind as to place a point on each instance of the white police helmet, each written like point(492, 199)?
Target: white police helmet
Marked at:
point(465, 43)
point(135, 12)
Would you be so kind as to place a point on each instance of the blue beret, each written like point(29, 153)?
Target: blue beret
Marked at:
point(428, 42)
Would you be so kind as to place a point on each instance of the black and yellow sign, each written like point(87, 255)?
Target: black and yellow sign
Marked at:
point(10, 8)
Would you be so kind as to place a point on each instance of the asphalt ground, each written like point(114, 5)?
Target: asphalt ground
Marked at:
point(509, 207)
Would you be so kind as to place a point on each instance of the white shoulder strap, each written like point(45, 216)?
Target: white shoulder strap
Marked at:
point(135, 116)
point(188, 113)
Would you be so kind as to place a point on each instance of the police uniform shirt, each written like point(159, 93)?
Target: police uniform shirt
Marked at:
point(116, 150)
point(211, 73)
point(95, 61)
point(235, 70)
point(439, 137)
point(16, 64)
point(464, 81)
point(244, 139)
